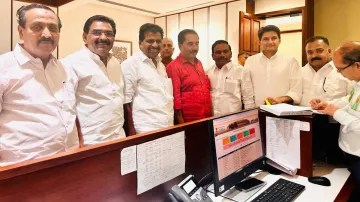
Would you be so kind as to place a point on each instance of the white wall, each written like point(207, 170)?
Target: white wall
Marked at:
point(5, 24)
point(73, 19)
point(263, 6)
point(210, 24)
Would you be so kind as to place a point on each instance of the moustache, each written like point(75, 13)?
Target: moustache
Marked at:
point(313, 59)
point(46, 40)
point(106, 42)
point(158, 48)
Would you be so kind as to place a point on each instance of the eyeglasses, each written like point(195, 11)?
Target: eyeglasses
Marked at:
point(99, 33)
point(343, 68)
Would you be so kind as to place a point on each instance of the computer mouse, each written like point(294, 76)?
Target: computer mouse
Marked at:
point(319, 180)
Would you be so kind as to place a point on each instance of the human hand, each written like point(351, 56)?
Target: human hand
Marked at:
point(318, 104)
point(330, 109)
point(273, 101)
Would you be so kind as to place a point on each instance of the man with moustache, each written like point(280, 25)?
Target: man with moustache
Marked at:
point(100, 83)
point(276, 78)
point(37, 100)
point(231, 86)
point(167, 51)
point(242, 57)
point(148, 91)
point(320, 78)
point(321, 81)
point(191, 86)
point(346, 60)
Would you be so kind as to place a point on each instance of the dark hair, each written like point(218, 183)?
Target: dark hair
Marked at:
point(20, 13)
point(242, 53)
point(149, 27)
point(314, 38)
point(268, 28)
point(350, 54)
point(181, 36)
point(217, 43)
point(100, 18)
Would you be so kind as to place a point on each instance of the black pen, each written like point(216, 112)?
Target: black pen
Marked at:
point(324, 85)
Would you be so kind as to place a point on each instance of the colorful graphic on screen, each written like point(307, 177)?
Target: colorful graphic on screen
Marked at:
point(238, 141)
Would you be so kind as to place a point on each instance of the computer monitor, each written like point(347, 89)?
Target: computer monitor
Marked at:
point(237, 148)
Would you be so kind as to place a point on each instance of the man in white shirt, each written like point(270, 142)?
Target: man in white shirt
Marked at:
point(346, 59)
point(242, 57)
point(320, 79)
point(149, 101)
point(275, 77)
point(231, 86)
point(37, 100)
point(100, 83)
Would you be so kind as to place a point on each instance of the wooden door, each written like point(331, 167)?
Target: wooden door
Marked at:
point(248, 29)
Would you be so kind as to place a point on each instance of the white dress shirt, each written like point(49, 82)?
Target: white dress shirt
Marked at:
point(230, 85)
point(278, 76)
point(325, 84)
point(349, 118)
point(150, 91)
point(99, 95)
point(37, 108)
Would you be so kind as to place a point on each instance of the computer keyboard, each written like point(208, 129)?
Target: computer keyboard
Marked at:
point(281, 191)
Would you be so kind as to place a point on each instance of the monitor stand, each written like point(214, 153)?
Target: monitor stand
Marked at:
point(234, 194)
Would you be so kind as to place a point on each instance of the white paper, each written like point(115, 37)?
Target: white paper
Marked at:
point(160, 160)
point(128, 160)
point(283, 141)
point(304, 126)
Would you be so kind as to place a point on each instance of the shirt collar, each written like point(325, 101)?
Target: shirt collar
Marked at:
point(183, 60)
point(93, 56)
point(326, 66)
point(22, 56)
point(143, 57)
point(228, 66)
point(272, 57)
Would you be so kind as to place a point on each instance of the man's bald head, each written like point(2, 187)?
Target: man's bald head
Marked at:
point(346, 59)
point(167, 48)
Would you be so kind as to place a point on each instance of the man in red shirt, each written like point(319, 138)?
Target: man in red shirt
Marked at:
point(191, 86)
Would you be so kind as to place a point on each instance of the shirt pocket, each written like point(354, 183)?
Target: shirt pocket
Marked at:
point(231, 86)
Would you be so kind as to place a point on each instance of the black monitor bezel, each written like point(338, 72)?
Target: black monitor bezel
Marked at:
point(235, 177)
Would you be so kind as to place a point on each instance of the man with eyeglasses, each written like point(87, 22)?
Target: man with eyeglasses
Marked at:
point(346, 59)
point(100, 83)
point(148, 90)
point(37, 100)
point(320, 79)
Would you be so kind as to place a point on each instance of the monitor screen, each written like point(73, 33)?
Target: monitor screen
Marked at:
point(237, 148)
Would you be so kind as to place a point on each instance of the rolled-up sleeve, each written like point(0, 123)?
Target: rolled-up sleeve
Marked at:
point(130, 77)
point(295, 91)
point(175, 78)
point(247, 89)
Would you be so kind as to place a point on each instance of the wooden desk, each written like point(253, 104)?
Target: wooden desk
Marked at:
point(93, 173)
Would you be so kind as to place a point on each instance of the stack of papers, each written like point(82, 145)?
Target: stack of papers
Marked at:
point(287, 110)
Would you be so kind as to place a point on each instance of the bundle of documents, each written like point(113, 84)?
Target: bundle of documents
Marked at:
point(282, 167)
point(287, 110)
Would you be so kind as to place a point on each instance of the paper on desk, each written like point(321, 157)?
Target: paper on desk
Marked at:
point(283, 141)
point(128, 160)
point(160, 160)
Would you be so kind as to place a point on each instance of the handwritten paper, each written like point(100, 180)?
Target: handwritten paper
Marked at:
point(160, 160)
point(283, 141)
point(128, 160)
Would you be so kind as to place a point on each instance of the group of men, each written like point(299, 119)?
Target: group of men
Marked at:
point(44, 102)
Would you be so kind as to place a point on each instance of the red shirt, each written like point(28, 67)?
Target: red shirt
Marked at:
point(191, 88)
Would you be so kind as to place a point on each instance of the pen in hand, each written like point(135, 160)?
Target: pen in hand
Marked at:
point(267, 102)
